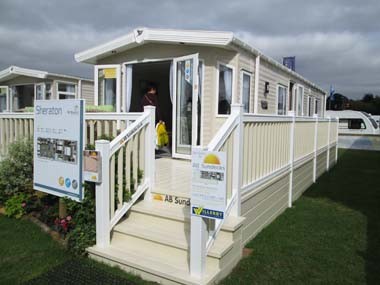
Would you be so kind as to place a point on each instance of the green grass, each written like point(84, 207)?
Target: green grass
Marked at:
point(331, 235)
point(27, 255)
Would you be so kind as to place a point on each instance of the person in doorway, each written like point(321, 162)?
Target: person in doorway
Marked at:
point(150, 98)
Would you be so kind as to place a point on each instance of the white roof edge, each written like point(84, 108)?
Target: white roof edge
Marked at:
point(20, 71)
point(142, 35)
point(197, 37)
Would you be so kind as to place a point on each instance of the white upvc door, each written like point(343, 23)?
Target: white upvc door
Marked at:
point(185, 105)
point(107, 85)
point(4, 99)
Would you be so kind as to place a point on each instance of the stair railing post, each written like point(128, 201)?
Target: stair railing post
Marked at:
point(315, 149)
point(237, 156)
point(198, 240)
point(328, 144)
point(150, 136)
point(102, 196)
point(291, 161)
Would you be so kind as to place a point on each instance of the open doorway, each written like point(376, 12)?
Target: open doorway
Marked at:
point(158, 74)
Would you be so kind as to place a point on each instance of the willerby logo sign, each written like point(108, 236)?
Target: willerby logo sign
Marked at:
point(58, 147)
point(208, 192)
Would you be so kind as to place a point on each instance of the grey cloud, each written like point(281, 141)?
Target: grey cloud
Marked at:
point(335, 42)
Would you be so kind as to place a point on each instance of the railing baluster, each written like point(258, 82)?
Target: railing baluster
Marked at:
point(112, 186)
point(128, 166)
point(120, 186)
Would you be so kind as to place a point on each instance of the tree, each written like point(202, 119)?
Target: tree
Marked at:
point(368, 97)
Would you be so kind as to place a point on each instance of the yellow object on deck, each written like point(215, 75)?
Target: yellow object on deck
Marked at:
point(162, 135)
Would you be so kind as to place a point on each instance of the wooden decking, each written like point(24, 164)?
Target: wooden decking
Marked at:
point(173, 176)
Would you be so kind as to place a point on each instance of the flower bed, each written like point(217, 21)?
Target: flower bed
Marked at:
point(76, 229)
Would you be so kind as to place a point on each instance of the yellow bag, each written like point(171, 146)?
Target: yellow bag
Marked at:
point(162, 135)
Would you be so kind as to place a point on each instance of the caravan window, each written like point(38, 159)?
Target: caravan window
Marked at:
point(107, 87)
point(300, 100)
point(3, 98)
point(225, 90)
point(246, 90)
point(281, 100)
point(66, 91)
point(373, 122)
point(352, 124)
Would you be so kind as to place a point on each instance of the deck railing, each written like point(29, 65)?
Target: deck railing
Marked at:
point(127, 172)
point(259, 148)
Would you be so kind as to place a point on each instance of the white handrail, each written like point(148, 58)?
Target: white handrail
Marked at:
point(128, 133)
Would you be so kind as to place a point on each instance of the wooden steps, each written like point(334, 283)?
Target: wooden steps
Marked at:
point(154, 240)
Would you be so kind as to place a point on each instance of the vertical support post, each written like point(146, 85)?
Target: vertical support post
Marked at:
point(315, 149)
point(198, 239)
point(328, 145)
point(102, 196)
point(237, 156)
point(291, 161)
point(257, 82)
point(150, 135)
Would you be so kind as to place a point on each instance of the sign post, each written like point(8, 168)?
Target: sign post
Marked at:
point(58, 147)
point(208, 201)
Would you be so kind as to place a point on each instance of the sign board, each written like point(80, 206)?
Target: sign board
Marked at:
point(92, 166)
point(208, 189)
point(58, 147)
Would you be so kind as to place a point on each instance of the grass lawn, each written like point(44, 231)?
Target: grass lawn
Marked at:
point(331, 235)
point(29, 256)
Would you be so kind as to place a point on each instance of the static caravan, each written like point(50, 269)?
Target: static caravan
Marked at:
point(19, 87)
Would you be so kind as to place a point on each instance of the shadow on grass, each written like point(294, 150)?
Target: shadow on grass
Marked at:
point(355, 183)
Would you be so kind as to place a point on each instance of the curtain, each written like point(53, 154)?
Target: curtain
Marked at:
point(171, 81)
point(110, 98)
point(228, 84)
point(128, 82)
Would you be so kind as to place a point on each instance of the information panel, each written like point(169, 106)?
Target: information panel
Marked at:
point(208, 192)
point(58, 147)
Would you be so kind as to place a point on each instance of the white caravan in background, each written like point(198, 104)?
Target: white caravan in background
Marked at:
point(357, 130)
point(355, 122)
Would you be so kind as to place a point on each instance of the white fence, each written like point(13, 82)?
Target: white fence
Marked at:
point(16, 126)
point(258, 148)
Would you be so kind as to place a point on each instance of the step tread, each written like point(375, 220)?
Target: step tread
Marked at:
point(157, 265)
point(170, 236)
point(179, 213)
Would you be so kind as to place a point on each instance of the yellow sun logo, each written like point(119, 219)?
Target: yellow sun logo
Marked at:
point(211, 159)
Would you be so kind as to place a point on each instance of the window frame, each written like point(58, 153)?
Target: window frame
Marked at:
point(233, 100)
point(118, 84)
point(75, 94)
point(279, 85)
point(248, 73)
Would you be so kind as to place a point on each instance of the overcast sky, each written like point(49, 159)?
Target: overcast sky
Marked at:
point(335, 41)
